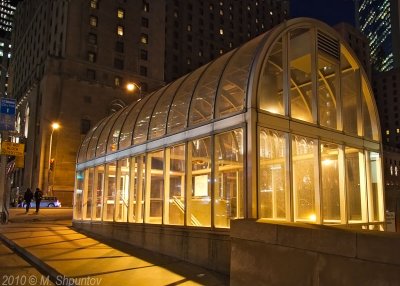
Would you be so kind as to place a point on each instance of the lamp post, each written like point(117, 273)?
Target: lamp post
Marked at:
point(131, 86)
point(54, 126)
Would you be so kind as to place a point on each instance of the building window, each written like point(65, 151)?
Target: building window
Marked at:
point(144, 38)
point(120, 30)
point(91, 74)
point(85, 126)
point(119, 64)
point(91, 57)
point(143, 55)
point(119, 47)
point(189, 28)
point(118, 81)
point(94, 4)
point(92, 39)
point(120, 13)
point(145, 22)
point(93, 21)
point(143, 71)
point(146, 6)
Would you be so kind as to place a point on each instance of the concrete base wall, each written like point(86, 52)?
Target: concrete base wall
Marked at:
point(210, 249)
point(287, 254)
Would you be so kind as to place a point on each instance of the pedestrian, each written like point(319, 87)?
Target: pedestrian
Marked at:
point(38, 198)
point(28, 198)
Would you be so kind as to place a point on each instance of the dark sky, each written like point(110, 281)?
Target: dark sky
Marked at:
point(329, 11)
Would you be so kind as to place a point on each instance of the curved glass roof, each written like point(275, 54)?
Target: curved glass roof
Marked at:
point(280, 74)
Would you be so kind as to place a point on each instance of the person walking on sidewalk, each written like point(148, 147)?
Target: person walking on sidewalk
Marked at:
point(38, 198)
point(28, 198)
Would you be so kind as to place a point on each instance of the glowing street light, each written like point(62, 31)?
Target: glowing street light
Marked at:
point(54, 126)
point(131, 86)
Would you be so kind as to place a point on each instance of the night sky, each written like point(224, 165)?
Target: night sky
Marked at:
point(329, 11)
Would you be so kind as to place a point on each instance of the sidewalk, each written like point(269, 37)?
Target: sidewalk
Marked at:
point(62, 253)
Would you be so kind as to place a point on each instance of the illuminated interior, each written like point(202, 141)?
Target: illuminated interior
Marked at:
point(283, 128)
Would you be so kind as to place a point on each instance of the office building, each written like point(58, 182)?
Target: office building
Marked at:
point(261, 132)
point(199, 31)
point(71, 62)
point(379, 21)
point(357, 42)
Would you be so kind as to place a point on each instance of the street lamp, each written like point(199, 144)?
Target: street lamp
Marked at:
point(54, 126)
point(131, 86)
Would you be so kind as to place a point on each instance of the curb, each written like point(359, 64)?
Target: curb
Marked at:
point(43, 268)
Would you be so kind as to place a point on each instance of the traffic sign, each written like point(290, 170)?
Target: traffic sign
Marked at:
point(12, 149)
point(7, 114)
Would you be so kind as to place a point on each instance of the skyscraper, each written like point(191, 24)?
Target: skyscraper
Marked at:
point(379, 21)
point(7, 10)
point(199, 31)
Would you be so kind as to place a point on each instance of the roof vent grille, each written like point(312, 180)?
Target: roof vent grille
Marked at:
point(329, 45)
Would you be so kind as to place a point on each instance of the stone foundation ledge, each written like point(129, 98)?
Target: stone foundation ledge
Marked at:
point(265, 253)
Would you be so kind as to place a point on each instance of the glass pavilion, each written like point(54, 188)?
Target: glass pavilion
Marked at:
point(284, 128)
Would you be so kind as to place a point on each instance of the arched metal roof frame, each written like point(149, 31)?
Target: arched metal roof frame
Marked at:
point(251, 99)
point(268, 44)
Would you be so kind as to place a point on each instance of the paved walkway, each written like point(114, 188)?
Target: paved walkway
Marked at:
point(62, 253)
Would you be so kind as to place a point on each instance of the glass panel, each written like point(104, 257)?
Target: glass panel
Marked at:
point(84, 146)
point(93, 141)
point(375, 193)
point(112, 143)
point(109, 192)
point(142, 122)
point(370, 117)
point(273, 183)
point(305, 178)
point(98, 192)
point(202, 106)
point(125, 139)
point(355, 185)
point(300, 50)
point(330, 186)
point(79, 187)
point(160, 114)
point(123, 183)
point(88, 193)
point(102, 143)
point(177, 118)
point(199, 183)
point(270, 90)
point(327, 91)
point(228, 201)
point(175, 206)
point(136, 196)
point(154, 187)
point(350, 93)
point(233, 86)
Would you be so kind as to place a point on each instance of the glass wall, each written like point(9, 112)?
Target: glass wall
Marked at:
point(271, 84)
point(154, 187)
point(330, 182)
point(273, 175)
point(109, 192)
point(87, 194)
point(300, 51)
point(305, 177)
point(175, 177)
point(122, 195)
point(199, 183)
point(98, 192)
point(228, 194)
point(137, 185)
point(78, 200)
